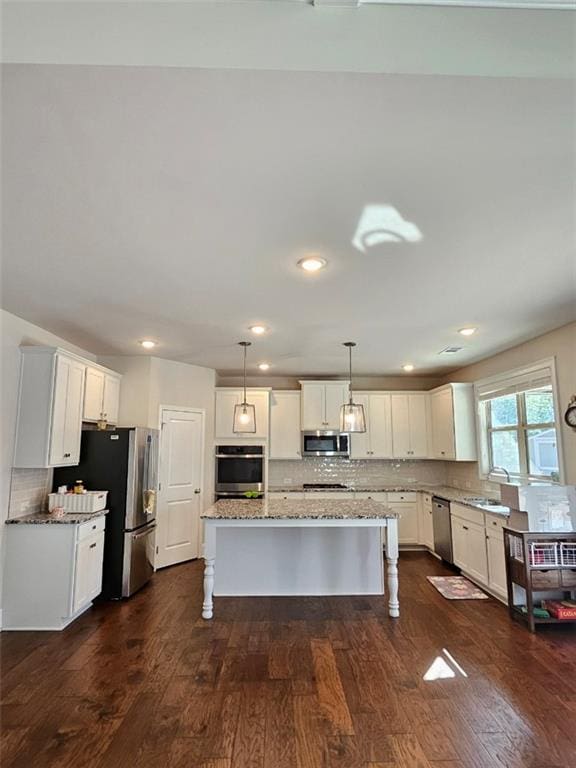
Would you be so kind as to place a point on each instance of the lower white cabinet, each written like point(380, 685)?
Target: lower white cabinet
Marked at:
point(405, 503)
point(52, 573)
point(496, 555)
point(426, 521)
point(478, 547)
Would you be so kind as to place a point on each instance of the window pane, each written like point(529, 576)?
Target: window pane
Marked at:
point(504, 411)
point(505, 450)
point(543, 452)
point(539, 406)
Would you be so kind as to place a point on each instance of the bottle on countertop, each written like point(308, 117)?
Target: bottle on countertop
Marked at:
point(79, 486)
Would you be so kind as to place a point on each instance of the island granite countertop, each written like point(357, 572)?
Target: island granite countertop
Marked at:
point(298, 509)
point(44, 518)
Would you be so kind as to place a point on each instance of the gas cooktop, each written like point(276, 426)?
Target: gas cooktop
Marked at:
point(324, 485)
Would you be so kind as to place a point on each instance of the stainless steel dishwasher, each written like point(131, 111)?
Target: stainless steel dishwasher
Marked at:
point(442, 528)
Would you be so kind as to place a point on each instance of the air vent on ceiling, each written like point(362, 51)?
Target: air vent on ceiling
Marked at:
point(449, 350)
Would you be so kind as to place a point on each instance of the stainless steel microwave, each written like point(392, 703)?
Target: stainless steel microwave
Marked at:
point(325, 443)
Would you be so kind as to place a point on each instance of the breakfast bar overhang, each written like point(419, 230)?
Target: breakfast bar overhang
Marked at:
point(282, 547)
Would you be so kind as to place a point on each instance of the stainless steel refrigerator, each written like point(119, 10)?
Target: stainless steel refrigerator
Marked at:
point(124, 462)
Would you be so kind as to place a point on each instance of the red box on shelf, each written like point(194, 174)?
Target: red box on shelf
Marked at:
point(560, 609)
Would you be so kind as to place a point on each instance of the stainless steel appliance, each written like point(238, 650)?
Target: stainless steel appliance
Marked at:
point(124, 462)
point(239, 468)
point(325, 443)
point(442, 528)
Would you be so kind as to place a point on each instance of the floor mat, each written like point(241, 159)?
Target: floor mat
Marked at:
point(456, 588)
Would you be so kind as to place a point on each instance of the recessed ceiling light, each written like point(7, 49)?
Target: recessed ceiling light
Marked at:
point(264, 366)
point(467, 331)
point(312, 263)
point(148, 344)
point(408, 367)
point(258, 329)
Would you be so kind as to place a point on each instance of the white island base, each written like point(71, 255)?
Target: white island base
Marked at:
point(299, 556)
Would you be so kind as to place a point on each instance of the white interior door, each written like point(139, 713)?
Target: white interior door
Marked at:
point(180, 492)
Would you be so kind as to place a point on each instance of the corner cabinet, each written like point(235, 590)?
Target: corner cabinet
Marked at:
point(53, 571)
point(285, 435)
point(453, 423)
point(101, 395)
point(410, 425)
point(50, 407)
point(321, 403)
point(227, 398)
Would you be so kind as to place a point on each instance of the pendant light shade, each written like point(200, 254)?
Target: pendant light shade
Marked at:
point(352, 417)
point(244, 413)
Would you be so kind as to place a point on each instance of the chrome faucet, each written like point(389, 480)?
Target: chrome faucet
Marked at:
point(504, 472)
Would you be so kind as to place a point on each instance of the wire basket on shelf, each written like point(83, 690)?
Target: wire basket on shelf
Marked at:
point(516, 548)
point(568, 553)
point(544, 554)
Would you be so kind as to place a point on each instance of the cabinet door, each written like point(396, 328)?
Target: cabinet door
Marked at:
point(477, 558)
point(380, 426)
point(496, 564)
point(224, 420)
point(400, 426)
point(418, 421)
point(111, 399)
point(459, 543)
point(335, 397)
point(361, 441)
point(93, 394)
point(426, 522)
point(285, 425)
point(261, 401)
point(407, 523)
point(443, 445)
point(313, 407)
point(68, 402)
point(87, 571)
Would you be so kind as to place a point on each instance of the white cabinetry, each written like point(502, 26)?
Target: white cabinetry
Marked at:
point(50, 408)
point(101, 394)
point(227, 398)
point(496, 555)
point(469, 542)
point(52, 573)
point(426, 531)
point(406, 505)
point(453, 423)
point(410, 417)
point(321, 403)
point(376, 442)
point(285, 433)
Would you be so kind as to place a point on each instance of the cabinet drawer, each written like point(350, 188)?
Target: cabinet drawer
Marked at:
point(91, 528)
point(286, 495)
point(467, 513)
point(402, 496)
point(374, 495)
point(495, 525)
point(568, 578)
point(545, 579)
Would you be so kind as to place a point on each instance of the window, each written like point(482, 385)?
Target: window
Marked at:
point(518, 431)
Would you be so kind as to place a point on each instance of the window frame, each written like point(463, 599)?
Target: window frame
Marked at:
point(502, 382)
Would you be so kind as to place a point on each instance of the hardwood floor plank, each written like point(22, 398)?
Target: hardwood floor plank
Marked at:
point(331, 696)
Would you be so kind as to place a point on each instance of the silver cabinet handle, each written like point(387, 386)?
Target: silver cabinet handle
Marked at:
point(66, 455)
point(92, 545)
point(197, 490)
point(465, 527)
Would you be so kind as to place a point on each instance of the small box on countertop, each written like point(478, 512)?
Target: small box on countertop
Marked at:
point(90, 501)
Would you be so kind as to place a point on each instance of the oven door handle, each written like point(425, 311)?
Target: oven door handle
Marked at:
point(242, 456)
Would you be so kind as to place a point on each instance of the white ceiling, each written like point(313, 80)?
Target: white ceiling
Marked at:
point(174, 203)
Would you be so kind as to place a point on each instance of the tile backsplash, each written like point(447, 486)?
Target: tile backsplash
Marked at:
point(28, 491)
point(464, 474)
point(355, 471)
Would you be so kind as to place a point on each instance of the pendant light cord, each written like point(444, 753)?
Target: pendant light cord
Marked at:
point(244, 376)
point(350, 368)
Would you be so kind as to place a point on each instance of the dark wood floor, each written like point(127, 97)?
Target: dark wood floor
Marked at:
point(290, 683)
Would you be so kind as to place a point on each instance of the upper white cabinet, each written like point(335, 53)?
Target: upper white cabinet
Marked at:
point(50, 408)
point(101, 394)
point(453, 423)
point(285, 425)
point(376, 442)
point(227, 398)
point(321, 403)
point(410, 417)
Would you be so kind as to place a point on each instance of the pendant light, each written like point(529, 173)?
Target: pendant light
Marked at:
point(352, 418)
point(245, 413)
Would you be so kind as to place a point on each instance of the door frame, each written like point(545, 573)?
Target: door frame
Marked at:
point(202, 413)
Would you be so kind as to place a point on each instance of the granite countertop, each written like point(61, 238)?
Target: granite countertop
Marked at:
point(298, 509)
point(443, 491)
point(44, 518)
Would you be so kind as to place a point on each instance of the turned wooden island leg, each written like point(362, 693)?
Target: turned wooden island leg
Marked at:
point(209, 563)
point(392, 567)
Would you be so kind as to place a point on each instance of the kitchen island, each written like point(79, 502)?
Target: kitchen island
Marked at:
point(285, 547)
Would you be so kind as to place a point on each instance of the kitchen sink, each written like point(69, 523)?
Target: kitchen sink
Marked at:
point(482, 502)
